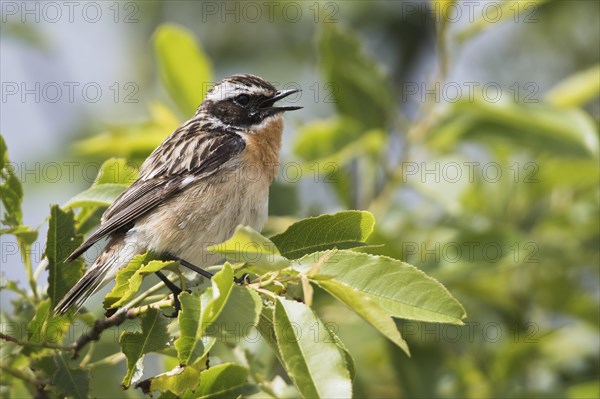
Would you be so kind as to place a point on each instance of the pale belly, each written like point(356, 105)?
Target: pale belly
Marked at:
point(188, 223)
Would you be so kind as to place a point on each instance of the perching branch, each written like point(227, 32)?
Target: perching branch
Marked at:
point(99, 326)
point(49, 345)
point(115, 320)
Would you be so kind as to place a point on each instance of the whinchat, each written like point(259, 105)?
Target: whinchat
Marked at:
point(192, 189)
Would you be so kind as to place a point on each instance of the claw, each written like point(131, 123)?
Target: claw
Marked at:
point(177, 306)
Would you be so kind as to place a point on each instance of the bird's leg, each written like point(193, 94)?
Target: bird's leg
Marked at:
point(238, 280)
point(175, 290)
point(188, 265)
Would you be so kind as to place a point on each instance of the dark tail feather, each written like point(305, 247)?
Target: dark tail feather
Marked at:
point(81, 291)
point(115, 256)
point(94, 238)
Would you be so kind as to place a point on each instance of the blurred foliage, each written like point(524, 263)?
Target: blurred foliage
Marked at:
point(498, 200)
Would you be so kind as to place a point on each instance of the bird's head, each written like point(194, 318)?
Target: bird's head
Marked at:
point(244, 101)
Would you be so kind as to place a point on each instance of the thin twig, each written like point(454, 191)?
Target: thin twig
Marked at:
point(49, 345)
point(268, 281)
point(41, 266)
point(268, 293)
point(145, 295)
point(26, 257)
point(109, 360)
point(112, 321)
point(99, 326)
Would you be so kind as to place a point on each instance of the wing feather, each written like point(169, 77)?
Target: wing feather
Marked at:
point(187, 154)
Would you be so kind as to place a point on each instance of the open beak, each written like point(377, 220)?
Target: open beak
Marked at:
point(267, 105)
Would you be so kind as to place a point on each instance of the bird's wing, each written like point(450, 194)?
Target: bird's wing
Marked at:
point(186, 156)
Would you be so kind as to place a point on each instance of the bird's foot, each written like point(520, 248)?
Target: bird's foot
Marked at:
point(190, 266)
point(243, 280)
point(175, 290)
point(176, 305)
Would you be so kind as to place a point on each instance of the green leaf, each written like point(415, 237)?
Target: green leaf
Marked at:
point(584, 390)
point(71, 382)
point(577, 89)
point(266, 328)
point(116, 171)
point(154, 337)
point(218, 295)
point(344, 143)
point(191, 344)
point(400, 289)
point(11, 285)
point(249, 246)
point(100, 195)
point(11, 190)
point(88, 219)
point(35, 327)
point(240, 313)
point(345, 352)
point(505, 10)
point(542, 127)
point(366, 308)
point(25, 233)
point(223, 381)
point(45, 327)
point(329, 147)
point(358, 86)
point(203, 318)
point(45, 366)
point(168, 395)
point(177, 381)
point(309, 352)
point(114, 176)
point(135, 141)
point(322, 138)
point(228, 313)
point(61, 241)
point(129, 279)
point(185, 70)
point(341, 230)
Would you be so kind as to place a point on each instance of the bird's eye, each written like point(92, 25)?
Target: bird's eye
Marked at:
point(242, 99)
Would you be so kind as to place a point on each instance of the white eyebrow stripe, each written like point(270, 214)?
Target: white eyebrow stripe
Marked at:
point(227, 90)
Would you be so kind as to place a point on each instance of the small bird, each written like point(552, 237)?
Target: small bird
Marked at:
point(210, 175)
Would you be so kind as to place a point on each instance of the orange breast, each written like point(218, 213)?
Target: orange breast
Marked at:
point(262, 148)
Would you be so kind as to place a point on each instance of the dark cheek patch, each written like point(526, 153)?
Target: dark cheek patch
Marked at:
point(229, 113)
point(234, 115)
